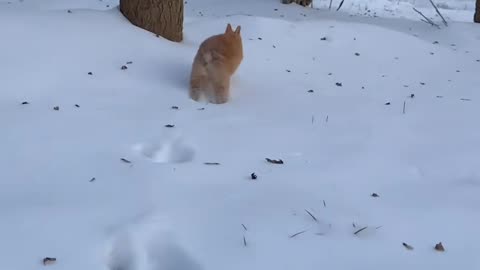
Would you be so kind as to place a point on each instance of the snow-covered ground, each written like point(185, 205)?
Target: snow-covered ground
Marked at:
point(353, 105)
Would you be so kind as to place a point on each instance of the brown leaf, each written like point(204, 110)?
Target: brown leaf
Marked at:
point(439, 247)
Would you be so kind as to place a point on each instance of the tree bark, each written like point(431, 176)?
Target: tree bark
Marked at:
point(476, 17)
point(162, 17)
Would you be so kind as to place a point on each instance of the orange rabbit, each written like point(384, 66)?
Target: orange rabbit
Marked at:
point(217, 58)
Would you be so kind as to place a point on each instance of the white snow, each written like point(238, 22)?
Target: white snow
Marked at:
point(66, 193)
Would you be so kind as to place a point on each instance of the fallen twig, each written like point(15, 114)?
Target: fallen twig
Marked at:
point(296, 234)
point(273, 161)
point(407, 246)
point(427, 20)
point(313, 217)
point(339, 6)
point(360, 230)
point(438, 12)
point(125, 160)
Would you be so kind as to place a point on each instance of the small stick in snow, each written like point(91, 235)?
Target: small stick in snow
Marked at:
point(375, 195)
point(330, 6)
point(244, 227)
point(427, 20)
point(25, 103)
point(324, 203)
point(360, 230)
point(274, 161)
point(438, 12)
point(404, 107)
point(76, 105)
point(244, 241)
point(93, 179)
point(313, 217)
point(339, 6)
point(407, 246)
point(326, 119)
point(313, 119)
point(169, 126)
point(465, 99)
point(211, 163)
point(48, 261)
point(296, 234)
point(125, 160)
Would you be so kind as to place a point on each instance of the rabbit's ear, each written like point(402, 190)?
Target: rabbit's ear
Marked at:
point(229, 29)
point(237, 30)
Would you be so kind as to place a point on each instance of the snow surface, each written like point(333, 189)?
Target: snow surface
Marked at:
point(66, 193)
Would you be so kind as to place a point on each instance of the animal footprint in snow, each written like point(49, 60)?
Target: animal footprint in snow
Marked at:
point(165, 254)
point(166, 151)
point(148, 245)
point(122, 254)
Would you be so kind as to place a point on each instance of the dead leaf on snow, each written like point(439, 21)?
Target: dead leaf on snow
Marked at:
point(439, 247)
point(48, 261)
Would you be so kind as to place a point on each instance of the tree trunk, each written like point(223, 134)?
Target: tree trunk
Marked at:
point(476, 17)
point(162, 17)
